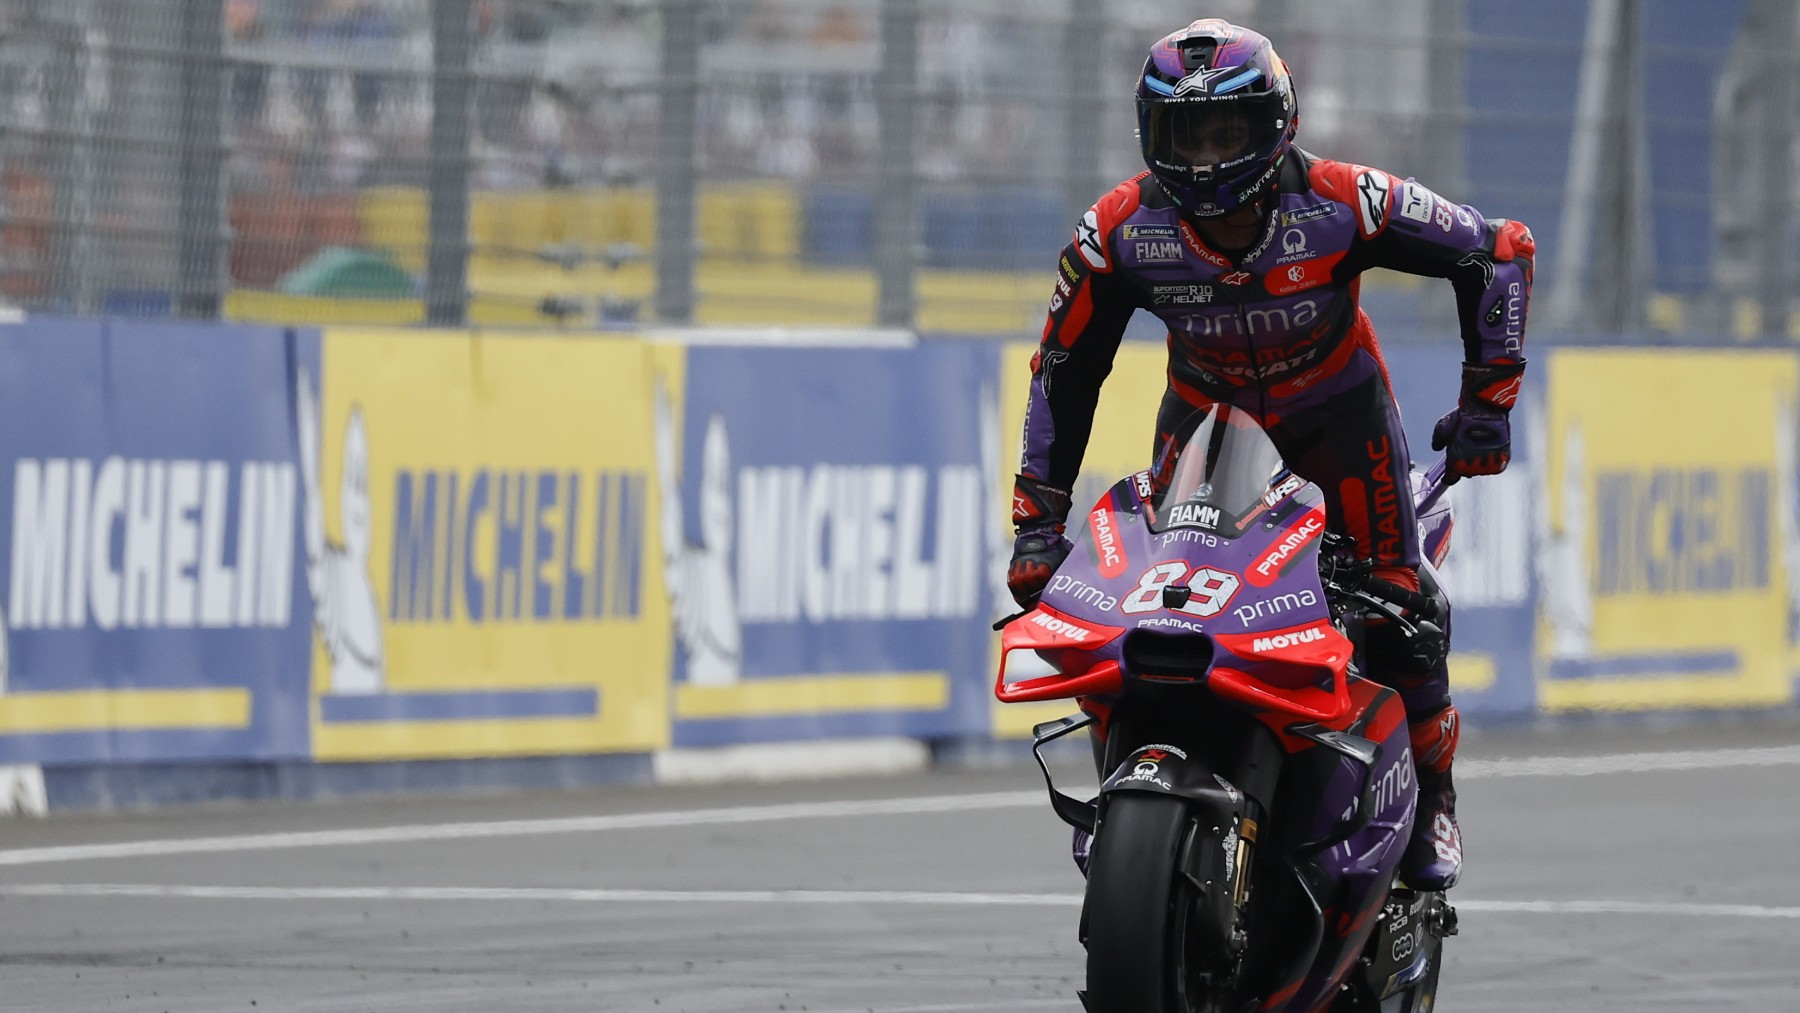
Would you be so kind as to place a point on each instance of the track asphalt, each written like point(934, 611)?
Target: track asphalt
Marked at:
point(1610, 868)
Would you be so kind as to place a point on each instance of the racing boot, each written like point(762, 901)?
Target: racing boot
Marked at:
point(1433, 859)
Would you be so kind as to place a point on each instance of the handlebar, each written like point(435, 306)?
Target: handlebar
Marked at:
point(1421, 605)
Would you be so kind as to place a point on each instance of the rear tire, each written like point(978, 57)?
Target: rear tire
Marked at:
point(1132, 894)
point(1424, 997)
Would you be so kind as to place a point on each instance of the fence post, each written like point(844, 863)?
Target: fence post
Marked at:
point(1624, 260)
point(452, 89)
point(70, 283)
point(1445, 38)
point(200, 285)
point(677, 169)
point(896, 178)
point(1083, 50)
point(1775, 133)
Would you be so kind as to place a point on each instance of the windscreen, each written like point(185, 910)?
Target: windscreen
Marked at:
point(1224, 467)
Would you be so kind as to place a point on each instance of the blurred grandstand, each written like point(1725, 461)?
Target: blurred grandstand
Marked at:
point(910, 163)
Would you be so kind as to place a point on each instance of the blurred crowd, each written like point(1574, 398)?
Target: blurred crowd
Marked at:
point(329, 94)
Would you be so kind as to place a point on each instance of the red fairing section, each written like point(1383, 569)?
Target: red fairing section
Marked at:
point(1289, 547)
point(1108, 541)
point(1047, 629)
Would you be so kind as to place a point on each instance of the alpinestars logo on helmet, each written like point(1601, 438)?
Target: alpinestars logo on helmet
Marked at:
point(1201, 81)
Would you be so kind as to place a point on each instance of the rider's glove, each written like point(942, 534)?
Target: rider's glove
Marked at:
point(1036, 555)
point(1477, 433)
point(1038, 510)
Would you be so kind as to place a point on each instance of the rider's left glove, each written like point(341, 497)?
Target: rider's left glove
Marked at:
point(1478, 433)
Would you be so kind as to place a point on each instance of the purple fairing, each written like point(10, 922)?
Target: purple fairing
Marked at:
point(1436, 518)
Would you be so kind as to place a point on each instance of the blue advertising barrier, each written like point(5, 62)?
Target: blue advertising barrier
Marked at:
point(816, 540)
point(156, 598)
point(1490, 574)
point(831, 551)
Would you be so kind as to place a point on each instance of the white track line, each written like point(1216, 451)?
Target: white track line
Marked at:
point(901, 897)
point(1622, 907)
point(1576, 766)
point(525, 828)
point(961, 1007)
point(1629, 763)
point(913, 897)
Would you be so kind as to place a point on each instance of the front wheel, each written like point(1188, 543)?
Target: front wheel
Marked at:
point(1139, 912)
point(1130, 894)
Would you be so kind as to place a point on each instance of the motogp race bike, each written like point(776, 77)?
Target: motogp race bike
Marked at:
point(1256, 791)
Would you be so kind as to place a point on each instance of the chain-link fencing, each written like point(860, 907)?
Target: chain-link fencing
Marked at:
point(911, 163)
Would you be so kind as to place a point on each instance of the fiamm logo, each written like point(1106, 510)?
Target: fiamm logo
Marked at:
point(533, 546)
point(1670, 531)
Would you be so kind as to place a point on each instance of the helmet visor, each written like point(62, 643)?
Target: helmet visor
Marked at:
point(1203, 136)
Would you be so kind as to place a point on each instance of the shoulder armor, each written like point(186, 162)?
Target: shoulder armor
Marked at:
point(1093, 234)
point(1369, 192)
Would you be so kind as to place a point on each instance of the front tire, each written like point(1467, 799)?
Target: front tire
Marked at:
point(1132, 900)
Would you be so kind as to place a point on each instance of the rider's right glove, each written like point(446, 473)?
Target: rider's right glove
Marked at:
point(1477, 432)
point(1039, 511)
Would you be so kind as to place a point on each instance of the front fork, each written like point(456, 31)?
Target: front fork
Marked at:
point(1228, 814)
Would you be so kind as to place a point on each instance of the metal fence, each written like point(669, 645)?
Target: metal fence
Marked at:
point(794, 162)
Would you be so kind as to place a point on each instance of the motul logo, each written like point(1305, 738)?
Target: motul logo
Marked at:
point(1106, 539)
point(1061, 627)
point(1281, 640)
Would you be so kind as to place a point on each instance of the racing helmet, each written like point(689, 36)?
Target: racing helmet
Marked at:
point(1216, 116)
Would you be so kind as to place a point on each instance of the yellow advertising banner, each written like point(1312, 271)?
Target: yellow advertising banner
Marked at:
point(480, 529)
point(1662, 580)
point(1124, 436)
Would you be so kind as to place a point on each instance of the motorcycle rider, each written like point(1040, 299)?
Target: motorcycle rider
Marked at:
point(1249, 250)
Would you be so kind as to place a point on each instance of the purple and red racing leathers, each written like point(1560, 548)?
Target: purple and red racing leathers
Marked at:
point(1277, 331)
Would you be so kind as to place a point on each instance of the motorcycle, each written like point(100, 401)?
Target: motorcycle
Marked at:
point(1257, 791)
